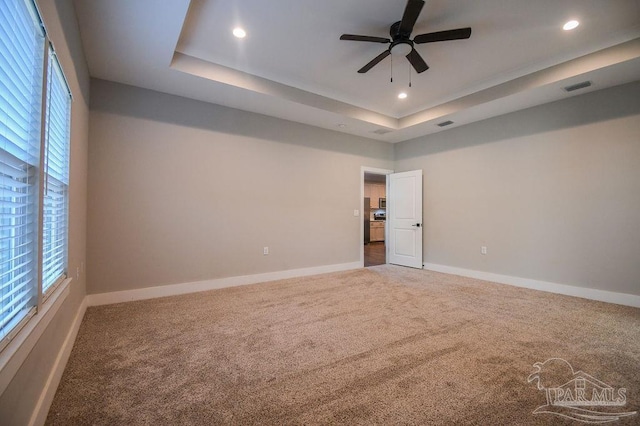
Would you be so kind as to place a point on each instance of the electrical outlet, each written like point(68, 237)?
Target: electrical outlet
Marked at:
point(77, 272)
point(356, 213)
point(265, 251)
point(483, 250)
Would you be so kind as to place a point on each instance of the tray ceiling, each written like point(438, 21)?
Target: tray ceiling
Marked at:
point(292, 64)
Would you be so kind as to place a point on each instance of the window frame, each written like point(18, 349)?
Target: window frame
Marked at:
point(22, 336)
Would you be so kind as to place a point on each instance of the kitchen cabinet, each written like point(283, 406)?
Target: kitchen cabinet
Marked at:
point(377, 231)
point(374, 191)
point(375, 194)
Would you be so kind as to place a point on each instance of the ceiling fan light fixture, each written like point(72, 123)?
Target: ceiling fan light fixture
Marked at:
point(401, 49)
point(570, 25)
point(402, 95)
point(239, 32)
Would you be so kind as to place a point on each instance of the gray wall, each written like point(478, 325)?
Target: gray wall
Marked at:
point(18, 401)
point(552, 191)
point(183, 191)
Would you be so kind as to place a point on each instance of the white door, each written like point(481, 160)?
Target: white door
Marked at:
point(404, 218)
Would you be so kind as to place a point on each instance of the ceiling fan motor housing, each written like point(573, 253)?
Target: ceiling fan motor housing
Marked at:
point(396, 34)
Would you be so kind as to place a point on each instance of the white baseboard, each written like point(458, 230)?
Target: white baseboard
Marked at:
point(568, 290)
point(39, 415)
point(193, 287)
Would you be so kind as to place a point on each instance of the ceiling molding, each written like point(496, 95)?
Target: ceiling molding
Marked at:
point(246, 81)
point(611, 56)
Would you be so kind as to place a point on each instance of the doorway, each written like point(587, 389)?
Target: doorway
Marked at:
point(374, 191)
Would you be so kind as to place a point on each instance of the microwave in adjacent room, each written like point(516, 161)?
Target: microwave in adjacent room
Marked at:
point(382, 203)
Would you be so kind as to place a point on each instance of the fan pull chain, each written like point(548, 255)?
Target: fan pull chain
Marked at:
point(409, 76)
point(392, 68)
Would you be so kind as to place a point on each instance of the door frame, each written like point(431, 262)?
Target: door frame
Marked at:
point(377, 171)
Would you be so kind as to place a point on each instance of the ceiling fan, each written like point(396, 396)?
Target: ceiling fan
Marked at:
point(400, 41)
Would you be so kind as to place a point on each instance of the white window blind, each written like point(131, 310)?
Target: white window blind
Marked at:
point(21, 77)
point(56, 169)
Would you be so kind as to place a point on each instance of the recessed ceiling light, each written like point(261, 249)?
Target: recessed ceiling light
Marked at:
point(402, 95)
point(239, 32)
point(570, 25)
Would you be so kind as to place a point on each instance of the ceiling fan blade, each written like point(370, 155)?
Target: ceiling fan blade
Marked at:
point(416, 60)
point(364, 38)
point(410, 16)
point(457, 34)
point(375, 61)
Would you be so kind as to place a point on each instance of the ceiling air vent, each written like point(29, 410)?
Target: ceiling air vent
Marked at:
point(577, 86)
point(381, 131)
point(445, 123)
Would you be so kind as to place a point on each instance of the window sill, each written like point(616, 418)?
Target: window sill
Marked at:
point(15, 353)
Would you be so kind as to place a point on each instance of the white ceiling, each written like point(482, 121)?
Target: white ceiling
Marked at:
point(292, 64)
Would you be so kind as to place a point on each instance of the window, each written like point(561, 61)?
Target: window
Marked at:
point(35, 107)
point(56, 171)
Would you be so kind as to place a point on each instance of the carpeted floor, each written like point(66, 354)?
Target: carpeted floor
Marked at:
point(382, 345)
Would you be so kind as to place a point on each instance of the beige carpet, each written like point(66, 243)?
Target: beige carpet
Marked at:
point(384, 345)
